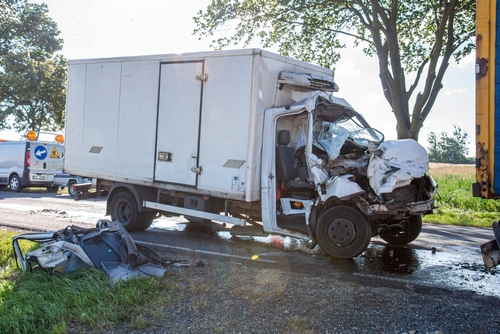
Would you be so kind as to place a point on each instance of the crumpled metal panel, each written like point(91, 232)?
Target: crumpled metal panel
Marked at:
point(108, 247)
point(395, 164)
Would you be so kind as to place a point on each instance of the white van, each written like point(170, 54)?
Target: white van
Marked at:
point(30, 164)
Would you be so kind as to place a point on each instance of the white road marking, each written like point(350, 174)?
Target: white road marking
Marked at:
point(205, 252)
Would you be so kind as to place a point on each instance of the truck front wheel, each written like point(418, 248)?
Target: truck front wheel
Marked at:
point(410, 232)
point(343, 232)
point(124, 210)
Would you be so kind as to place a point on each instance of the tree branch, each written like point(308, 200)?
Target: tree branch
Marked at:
point(417, 79)
point(434, 57)
point(442, 69)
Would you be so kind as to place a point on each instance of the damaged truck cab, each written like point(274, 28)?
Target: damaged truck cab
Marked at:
point(247, 138)
point(333, 178)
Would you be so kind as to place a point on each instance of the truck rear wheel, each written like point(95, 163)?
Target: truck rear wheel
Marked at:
point(146, 219)
point(410, 232)
point(124, 210)
point(343, 232)
point(15, 183)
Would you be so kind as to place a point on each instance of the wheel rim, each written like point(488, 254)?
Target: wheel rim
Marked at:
point(124, 212)
point(14, 183)
point(71, 189)
point(341, 232)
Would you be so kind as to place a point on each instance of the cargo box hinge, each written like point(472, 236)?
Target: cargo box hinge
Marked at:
point(197, 170)
point(202, 77)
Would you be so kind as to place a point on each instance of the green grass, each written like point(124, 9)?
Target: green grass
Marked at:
point(41, 302)
point(457, 206)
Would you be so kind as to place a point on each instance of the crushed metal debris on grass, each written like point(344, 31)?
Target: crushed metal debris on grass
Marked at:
point(108, 247)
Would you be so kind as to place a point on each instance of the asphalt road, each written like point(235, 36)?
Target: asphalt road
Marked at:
point(444, 257)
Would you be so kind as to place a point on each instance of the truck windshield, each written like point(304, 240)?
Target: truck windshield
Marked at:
point(333, 135)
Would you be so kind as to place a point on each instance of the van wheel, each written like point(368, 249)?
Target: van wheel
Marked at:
point(71, 188)
point(410, 232)
point(343, 232)
point(124, 210)
point(15, 183)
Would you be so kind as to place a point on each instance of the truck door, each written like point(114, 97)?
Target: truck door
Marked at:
point(179, 108)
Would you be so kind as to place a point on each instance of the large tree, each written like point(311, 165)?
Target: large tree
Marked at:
point(32, 73)
point(408, 36)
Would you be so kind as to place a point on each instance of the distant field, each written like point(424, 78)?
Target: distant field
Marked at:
point(438, 170)
point(455, 204)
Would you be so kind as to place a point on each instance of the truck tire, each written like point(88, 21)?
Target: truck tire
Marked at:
point(412, 229)
point(146, 219)
point(124, 210)
point(71, 189)
point(343, 232)
point(15, 183)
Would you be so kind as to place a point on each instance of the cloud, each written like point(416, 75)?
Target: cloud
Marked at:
point(468, 61)
point(347, 69)
point(454, 91)
point(376, 98)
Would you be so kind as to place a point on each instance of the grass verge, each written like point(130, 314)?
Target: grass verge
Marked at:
point(456, 205)
point(39, 302)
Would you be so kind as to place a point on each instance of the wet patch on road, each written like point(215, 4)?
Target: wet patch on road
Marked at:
point(383, 264)
point(404, 265)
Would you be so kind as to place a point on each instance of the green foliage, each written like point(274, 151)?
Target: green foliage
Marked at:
point(32, 74)
point(407, 36)
point(450, 149)
point(457, 206)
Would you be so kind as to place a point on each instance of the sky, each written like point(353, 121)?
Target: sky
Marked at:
point(108, 28)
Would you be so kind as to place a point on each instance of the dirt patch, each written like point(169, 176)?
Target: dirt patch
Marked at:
point(438, 170)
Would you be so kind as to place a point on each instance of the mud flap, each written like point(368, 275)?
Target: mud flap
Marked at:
point(490, 250)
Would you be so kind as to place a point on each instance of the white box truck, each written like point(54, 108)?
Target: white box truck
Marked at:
point(247, 138)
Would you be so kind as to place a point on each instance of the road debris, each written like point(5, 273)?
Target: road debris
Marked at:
point(108, 247)
point(490, 250)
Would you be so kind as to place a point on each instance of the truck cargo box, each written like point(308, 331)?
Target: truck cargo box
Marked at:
point(180, 122)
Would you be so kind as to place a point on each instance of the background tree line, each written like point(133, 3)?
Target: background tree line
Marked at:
point(32, 72)
point(450, 148)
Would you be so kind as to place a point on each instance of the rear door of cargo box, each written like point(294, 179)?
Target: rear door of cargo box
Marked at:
point(46, 160)
point(179, 108)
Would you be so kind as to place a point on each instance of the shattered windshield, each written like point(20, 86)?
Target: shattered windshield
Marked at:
point(332, 136)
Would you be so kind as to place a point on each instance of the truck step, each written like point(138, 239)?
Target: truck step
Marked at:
point(255, 230)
